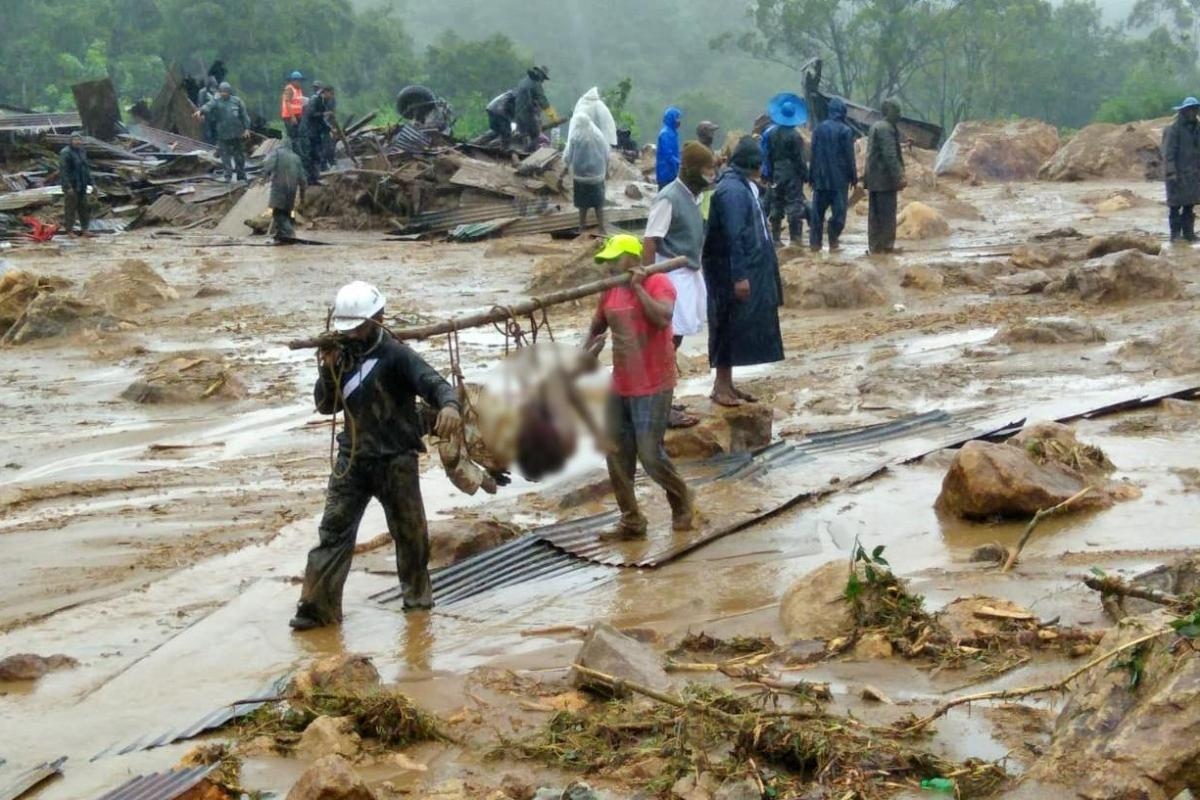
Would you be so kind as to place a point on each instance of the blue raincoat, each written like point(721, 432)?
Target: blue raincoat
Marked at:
point(833, 167)
point(667, 163)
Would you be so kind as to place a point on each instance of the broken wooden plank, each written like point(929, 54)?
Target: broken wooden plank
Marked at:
point(987, 612)
point(494, 178)
point(98, 109)
point(250, 205)
point(539, 162)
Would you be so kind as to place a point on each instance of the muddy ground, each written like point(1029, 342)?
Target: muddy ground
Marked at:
point(160, 544)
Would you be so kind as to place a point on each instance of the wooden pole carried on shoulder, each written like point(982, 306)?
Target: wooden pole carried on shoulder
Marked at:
point(521, 309)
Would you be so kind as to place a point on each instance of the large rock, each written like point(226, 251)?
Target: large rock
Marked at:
point(919, 221)
point(1053, 441)
point(452, 540)
point(923, 279)
point(30, 667)
point(1114, 741)
point(129, 288)
point(344, 672)
point(330, 778)
point(52, 314)
point(1098, 246)
point(856, 285)
point(1128, 151)
point(1028, 282)
point(1050, 330)
point(963, 621)
point(814, 606)
point(727, 430)
point(188, 377)
point(997, 151)
point(329, 736)
point(608, 651)
point(1000, 480)
point(18, 289)
point(1120, 277)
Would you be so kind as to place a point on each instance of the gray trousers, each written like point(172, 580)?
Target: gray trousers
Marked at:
point(881, 221)
point(395, 484)
point(283, 223)
point(233, 156)
point(76, 204)
point(636, 425)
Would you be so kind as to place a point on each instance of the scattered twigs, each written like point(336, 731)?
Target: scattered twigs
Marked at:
point(618, 684)
point(1113, 585)
point(1033, 523)
point(1012, 694)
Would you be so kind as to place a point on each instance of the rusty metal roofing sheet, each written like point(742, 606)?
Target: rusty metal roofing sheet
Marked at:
point(22, 782)
point(160, 785)
point(168, 142)
point(98, 148)
point(211, 721)
point(40, 122)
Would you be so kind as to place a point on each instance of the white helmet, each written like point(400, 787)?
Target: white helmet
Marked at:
point(355, 303)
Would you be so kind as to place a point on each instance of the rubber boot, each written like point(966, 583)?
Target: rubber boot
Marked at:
point(1189, 226)
point(796, 233)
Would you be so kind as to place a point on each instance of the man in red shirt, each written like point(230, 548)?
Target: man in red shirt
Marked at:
point(639, 316)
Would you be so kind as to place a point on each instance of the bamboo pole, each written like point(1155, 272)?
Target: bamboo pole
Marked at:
point(502, 313)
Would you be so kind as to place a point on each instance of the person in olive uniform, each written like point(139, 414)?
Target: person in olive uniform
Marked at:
point(232, 126)
point(207, 94)
point(375, 380)
point(314, 130)
point(1181, 168)
point(884, 178)
point(530, 103)
point(75, 176)
point(287, 177)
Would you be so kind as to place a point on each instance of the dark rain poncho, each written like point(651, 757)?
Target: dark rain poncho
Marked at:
point(1181, 162)
point(738, 246)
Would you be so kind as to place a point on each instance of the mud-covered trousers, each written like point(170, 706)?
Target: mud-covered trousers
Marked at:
point(787, 200)
point(636, 426)
point(233, 158)
point(76, 203)
point(394, 483)
point(1182, 221)
point(835, 201)
point(881, 221)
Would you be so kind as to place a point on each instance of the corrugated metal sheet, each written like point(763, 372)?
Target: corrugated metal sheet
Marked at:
point(17, 785)
point(99, 148)
point(442, 221)
point(168, 142)
point(39, 122)
point(411, 140)
point(159, 785)
point(211, 721)
point(568, 220)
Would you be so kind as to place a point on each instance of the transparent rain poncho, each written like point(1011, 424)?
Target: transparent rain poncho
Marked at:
point(591, 104)
point(587, 151)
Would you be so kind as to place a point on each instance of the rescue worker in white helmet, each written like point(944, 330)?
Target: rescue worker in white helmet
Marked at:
point(375, 380)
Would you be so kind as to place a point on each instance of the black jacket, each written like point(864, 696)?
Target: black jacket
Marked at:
point(74, 173)
point(380, 384)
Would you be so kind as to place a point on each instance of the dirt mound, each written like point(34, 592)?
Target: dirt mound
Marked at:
point(129, 288)
point(1124, 152)
point(997, 151)
point(1098, 246)
point(1049, 330)
point(1113, 202)
point(186, 378)
point(919, 221)
point(1120, 277)
point(522, 246)
point(18, 289)
point(810, 285)
point(53, 314)
point(571, 269)
point(1174, 350)
point(923, 279)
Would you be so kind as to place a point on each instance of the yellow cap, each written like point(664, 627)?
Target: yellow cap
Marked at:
point(619, 245)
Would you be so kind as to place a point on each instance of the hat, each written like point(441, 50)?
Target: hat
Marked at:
point(1188, 102)
point(539, 73)
point(747, 155)
point(788, 110)
point(697, 156)
point(295, 76)
point(225, 87)
point(707, 127)
point(620, 245)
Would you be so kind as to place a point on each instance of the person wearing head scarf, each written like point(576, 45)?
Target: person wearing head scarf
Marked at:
point(666, 160)
point(586, 157)
point(884, 178)
point(741, 274)
point(675, 228)
point(1181, 168)
point(832, 173)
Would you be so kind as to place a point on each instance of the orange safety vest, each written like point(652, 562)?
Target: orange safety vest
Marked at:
point(291, 104)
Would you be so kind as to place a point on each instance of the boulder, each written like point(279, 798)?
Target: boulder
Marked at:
point(1114, 741)
point(632, 191)
point(129, 288)
point(965, 624)
point(1041, 255)
point(608, 651)
point(738, 789)
point(1028, 282)
point(18, 289)
point(727, 430)
point(814, 606)
point(919, 221)
point(999, 480)
point(452, 540)
point(1111, 203)
point(188, 377)
point(53, 314)
point(997, 151)
point(1127, 240)
point(809, 285)
point(329, 735)
point(1128, 151)
point(1053, 441)
point(30, 667)
point(344, 672)
point(1049, 330)
point(873, 645)
point(330, 778)
point(1120, 277)
point(923, 279)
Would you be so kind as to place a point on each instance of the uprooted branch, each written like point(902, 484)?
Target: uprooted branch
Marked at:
point(1033, 523)
point(1012, 694)
point(1113, 585)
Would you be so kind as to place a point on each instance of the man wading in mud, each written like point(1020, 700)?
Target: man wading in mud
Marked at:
point(375, 381)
